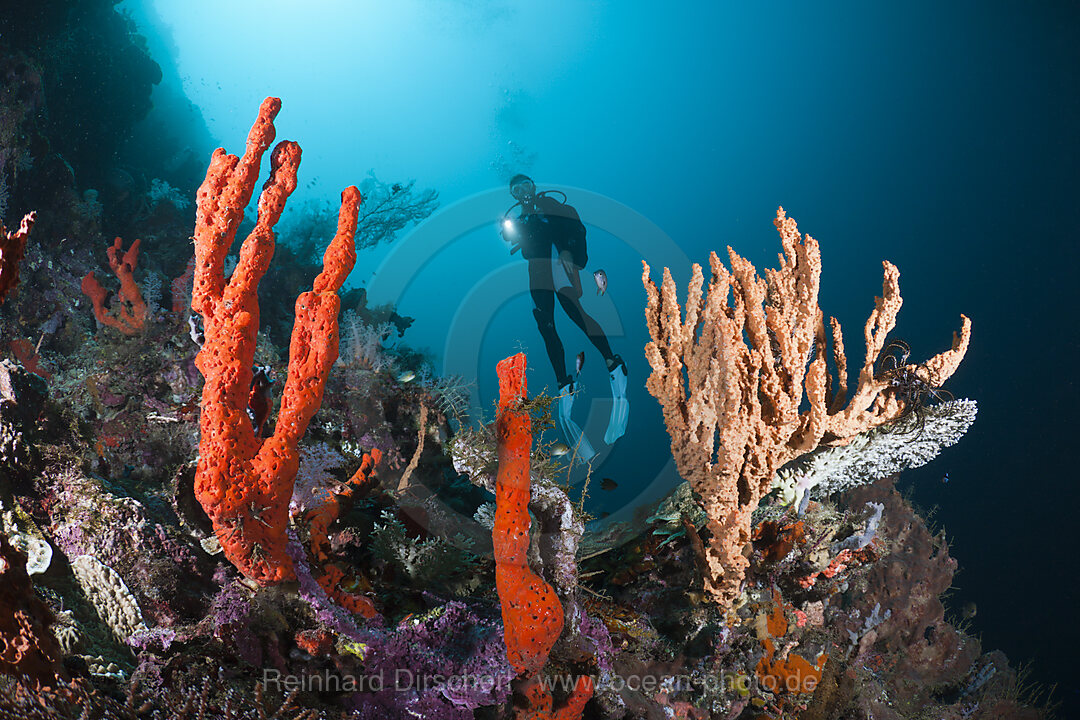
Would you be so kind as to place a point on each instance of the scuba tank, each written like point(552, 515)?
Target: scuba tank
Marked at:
point(566, 225)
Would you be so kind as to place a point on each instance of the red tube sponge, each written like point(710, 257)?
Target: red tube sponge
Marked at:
point(243, 482)
point(129, 314)
point(531, 611)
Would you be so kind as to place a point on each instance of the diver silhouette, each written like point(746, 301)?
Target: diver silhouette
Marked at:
point(545, 227)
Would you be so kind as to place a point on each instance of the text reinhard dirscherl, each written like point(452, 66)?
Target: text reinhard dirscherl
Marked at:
point(403, 680)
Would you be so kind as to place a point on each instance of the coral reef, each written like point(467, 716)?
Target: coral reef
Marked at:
point(334, 569)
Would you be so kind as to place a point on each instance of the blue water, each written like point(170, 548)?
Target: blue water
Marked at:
point(939, 136)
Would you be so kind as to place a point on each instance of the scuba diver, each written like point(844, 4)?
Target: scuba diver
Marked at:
point(548, 226)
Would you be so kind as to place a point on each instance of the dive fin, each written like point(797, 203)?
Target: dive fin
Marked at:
point(620, 406)
point(575, 438)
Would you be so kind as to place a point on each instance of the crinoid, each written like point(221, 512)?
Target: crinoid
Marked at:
point(906, 383)
point(451, 394)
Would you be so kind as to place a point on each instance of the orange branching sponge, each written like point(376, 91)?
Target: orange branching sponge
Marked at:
point(745, 387)
point(243, 482)
point(12, 249)
point(129, 315)
point(531, 611)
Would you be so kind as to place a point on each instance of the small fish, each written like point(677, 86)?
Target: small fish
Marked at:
point(406, 376)
point(945, 480)
point(355, 584)
point(601, 281)
point(969, 610)
point(260, 399)
point(608, 484)
point(580, 363)
point(559, 449)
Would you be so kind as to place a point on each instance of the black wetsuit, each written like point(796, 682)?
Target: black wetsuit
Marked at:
point(542, 232)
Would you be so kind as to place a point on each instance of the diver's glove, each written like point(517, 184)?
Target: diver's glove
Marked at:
point(620, 406)
point(575, 438)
